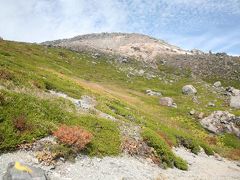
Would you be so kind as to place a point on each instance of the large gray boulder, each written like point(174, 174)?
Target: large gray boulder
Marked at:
point(18, 171)
point(167, 101)
point(189, 89)
point(235, 102)
point(222, 122)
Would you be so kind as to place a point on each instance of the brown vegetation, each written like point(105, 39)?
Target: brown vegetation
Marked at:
point(74, 136)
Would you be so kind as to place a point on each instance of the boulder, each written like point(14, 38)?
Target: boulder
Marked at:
point(18, 171)
point(233, 91)
point(189, 89)
point(217, 84)
point(153, 93)
point(235, 102)
point(222, 122)
point(167, 101)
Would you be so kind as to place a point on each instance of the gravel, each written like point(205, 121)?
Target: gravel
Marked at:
point(126, 167)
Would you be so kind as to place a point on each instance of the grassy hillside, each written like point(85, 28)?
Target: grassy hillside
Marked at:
point(29, 71)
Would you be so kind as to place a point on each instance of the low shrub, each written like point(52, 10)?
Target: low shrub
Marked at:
point(4, 74)
point(164, 152)
point(73, 136)
point(231, 140)
point(19, 123)
point(2, 99)
point(208, 150)
point(189, 144)
point(64, 151)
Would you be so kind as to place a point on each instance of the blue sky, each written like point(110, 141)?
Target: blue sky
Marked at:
point(202, 24)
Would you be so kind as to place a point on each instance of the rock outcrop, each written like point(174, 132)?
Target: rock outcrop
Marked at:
point(222, 122)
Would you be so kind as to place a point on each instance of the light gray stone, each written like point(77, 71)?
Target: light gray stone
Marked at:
point(235, 102)
point(153, 93)
point(189, 89)
point(167, 101)
point(217, 84)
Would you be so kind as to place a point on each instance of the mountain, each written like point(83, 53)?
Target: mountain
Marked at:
point(133, 45)
point(118, 107)
point(153, 52)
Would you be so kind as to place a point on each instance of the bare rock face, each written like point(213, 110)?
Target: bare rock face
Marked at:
point(189, 89)
point(222, 122)
point(18, 171)
point(167, 101)
point(134, 45)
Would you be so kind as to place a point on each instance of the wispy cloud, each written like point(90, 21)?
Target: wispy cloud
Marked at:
point(203, 24)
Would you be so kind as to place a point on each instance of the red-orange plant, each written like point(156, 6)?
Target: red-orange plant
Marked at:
point(74, 136)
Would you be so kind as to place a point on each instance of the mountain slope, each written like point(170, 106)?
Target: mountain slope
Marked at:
point(40, 85)
point(154, 52)
point(130, 45)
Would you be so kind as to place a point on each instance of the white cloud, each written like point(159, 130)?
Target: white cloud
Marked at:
point(39, 20)
point(175, 20)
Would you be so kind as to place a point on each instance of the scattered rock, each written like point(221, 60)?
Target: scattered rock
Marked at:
point(153, 93)
point(86, 102)
point(18, 171)
point(167, 101)
point(221, 122)
point(200, 115)
point(235, 102)
point(211, 104)
point(189, 89)
point(195, 99)
point(192, 112)
point(217, 84)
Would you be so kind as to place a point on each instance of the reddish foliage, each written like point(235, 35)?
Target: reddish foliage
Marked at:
point(20, 123)
point(4, 74)
point(168, 141)
point(211, 140)
point(74, 136)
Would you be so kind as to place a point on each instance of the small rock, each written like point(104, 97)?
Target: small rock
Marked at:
point(153, 93)
point(211, 104)
point(167, 101)
point(217, 84)
point(200, 115)
point(192, 112)
point(189, 89)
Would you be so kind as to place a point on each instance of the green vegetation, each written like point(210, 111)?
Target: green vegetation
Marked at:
point(27, 112)
point(25, 122)
point(163, 150)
